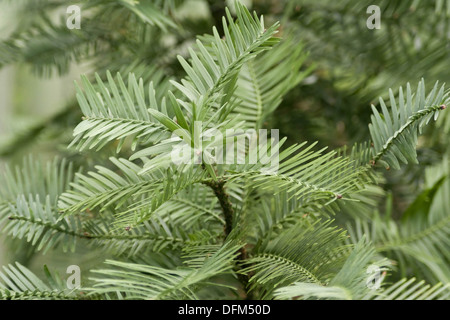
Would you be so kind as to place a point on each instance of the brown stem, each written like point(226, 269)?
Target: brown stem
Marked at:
point(224, 199)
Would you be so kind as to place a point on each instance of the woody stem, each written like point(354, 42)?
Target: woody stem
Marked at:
point(218, 188)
